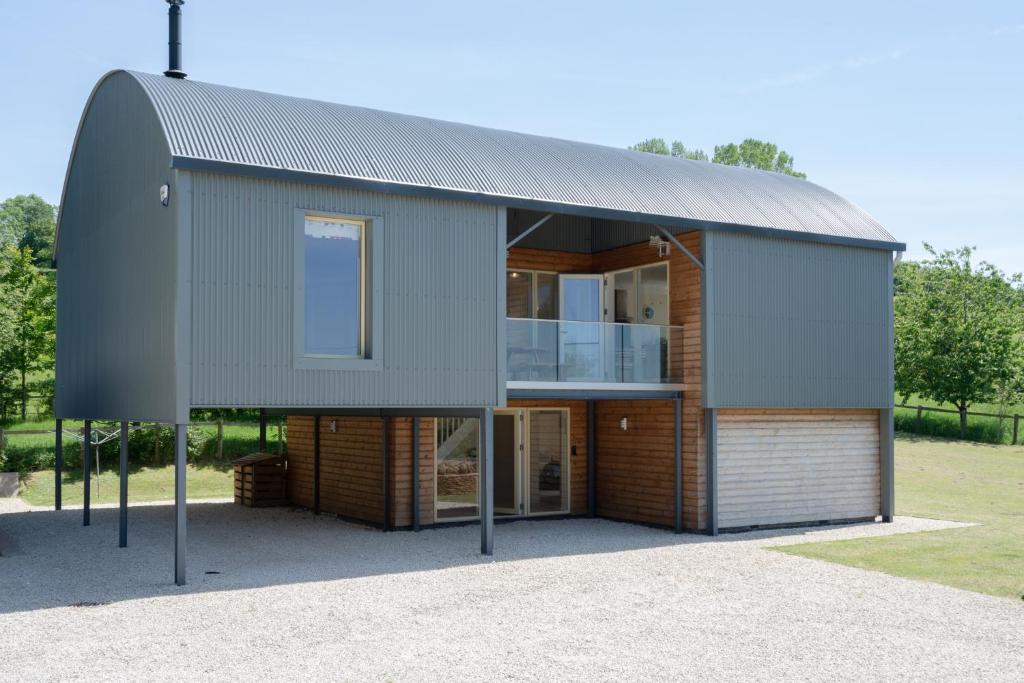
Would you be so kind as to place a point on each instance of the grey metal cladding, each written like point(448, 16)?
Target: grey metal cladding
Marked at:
point(442, 299)
point(215, 127)
point(797, 324)
point(116, 300)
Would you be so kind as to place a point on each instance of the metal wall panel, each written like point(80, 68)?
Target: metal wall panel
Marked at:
point(796, 324)
point(264, 134)
point(440, 305)
point(116, 298)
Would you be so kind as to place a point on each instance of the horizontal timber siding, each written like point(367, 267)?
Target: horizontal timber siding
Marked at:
point(796, 466)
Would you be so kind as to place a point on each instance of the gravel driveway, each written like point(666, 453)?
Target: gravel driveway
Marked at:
point(297, 596)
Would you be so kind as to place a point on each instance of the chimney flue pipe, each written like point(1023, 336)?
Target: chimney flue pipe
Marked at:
point(174, 39)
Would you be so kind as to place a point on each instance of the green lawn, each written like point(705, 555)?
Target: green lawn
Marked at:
point(952, 480)
point(144, 484)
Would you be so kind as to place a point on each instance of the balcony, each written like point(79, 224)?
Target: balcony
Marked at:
point(545, 353)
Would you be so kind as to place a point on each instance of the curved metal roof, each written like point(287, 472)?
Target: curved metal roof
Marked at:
point(216, 127)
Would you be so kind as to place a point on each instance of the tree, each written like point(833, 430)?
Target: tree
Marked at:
point(678, 149)
point(959, 331)
point(750, 153)
point(759, 154)
point(27, 296)
point(27, 221)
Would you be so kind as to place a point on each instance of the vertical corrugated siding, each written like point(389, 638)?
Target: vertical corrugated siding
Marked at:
point(439, 304)
point(791, 467)
point(797, 324)
point(116, 272)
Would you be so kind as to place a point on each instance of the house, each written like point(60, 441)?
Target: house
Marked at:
point(464, 324)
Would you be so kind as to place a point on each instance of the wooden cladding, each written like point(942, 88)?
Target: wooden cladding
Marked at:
point(795, 466)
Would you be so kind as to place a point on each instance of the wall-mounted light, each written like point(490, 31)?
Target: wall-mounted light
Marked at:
point(334, 426)
point(624, 424)
point(165, 194)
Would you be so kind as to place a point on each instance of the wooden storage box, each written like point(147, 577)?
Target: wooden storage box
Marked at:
point(260, 480)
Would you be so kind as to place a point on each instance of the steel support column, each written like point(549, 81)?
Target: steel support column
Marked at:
point(486, 461)
point(591, 461)
point(415, 474)
point(886, 465)
point(387, 479)
point(711, 446)
point(180, 452)
point(678, 452)
point(86, 470)
point(316, 464)
point(58, 463)
point(122, 521)
point(263, 430)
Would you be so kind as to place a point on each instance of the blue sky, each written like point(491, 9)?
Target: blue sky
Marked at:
point(913, 110)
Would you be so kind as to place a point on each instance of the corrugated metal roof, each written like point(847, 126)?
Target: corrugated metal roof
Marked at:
point(212, 126)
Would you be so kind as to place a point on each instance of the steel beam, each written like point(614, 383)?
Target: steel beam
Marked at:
point(887, 465)
point(316, 464)
point(679, 245)
point(58, 463)
point(415, 474)
point(711, 448)
point(379, 412)
point(678, 451)
point(122, 520)
point(86, 470)
point(180, 452)
point(486, 461)
point(591, 461)
point(515, 240)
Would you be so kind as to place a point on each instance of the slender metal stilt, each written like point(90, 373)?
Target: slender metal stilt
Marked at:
point(58, 463)
point(180, 451)
point(122, 525)
point(86, 470)
point(486, 460)
point(263, 430)
point(387, 478)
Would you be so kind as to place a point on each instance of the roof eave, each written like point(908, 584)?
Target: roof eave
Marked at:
point(409, 189)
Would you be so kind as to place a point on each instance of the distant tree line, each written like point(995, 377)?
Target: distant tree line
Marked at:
point(750, 153)
point(27, 302)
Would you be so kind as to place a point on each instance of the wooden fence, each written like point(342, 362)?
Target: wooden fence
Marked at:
point(922, 409)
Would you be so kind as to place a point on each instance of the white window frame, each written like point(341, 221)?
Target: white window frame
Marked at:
point(609, 306)
point(371, 307)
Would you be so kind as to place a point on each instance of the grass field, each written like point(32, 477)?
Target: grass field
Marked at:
point(952, 480)
point(144, 484)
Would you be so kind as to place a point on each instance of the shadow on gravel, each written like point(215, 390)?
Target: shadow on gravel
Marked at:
point(60, 563)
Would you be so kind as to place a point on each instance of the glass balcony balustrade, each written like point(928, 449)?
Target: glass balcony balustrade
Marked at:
point(593, 352)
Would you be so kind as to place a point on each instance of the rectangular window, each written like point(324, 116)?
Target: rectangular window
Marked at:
point(531, 294)
point(337, 285)
point(333, 287)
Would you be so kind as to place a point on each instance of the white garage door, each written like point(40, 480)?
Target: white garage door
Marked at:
point(786, 467)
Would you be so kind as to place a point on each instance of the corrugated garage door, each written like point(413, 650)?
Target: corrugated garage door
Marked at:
point(785, 467)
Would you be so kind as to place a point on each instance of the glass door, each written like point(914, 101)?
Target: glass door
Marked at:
point(547, 461)
point(507, 469)
point(580, 343)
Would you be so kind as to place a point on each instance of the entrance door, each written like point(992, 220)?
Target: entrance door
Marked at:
point(506, 463)
point(547, 454)
point(580, 343)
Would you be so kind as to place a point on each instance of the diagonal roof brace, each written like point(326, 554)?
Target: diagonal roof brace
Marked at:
point(530, 229)
point(679, 245)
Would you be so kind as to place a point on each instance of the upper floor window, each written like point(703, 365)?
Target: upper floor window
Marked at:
point(334, 289)
point(337, 282)
point(531, 294)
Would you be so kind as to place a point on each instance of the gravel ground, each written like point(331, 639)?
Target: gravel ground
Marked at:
point(299, 596)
